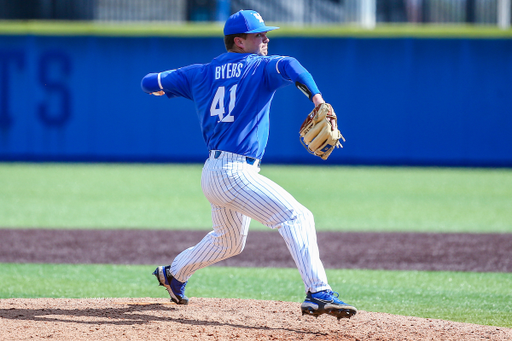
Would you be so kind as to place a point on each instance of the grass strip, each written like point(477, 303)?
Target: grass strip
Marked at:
point(174, 29)
point(169, 196)
point(480, 298)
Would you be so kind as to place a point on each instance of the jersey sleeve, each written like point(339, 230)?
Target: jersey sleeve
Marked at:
point(173, 82)
point(289, 68)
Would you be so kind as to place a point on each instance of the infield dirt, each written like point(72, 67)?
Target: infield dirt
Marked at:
point(236, 319)
point(214, 319)
point(338, 250)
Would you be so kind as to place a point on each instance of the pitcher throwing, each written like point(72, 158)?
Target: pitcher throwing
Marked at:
point(232, 95)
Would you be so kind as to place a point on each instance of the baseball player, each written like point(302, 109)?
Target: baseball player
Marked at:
point(232, 95)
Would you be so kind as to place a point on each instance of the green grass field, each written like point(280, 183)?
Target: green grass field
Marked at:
point(168, 196)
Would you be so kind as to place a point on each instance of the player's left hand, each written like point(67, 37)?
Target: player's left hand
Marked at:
point(319, 132)
point(333, 120)
point(158, 93)
point(317, 100)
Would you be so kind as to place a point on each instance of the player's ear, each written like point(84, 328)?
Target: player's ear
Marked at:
point(239, 42)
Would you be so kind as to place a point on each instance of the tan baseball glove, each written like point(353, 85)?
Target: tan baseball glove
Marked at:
point(317, 134)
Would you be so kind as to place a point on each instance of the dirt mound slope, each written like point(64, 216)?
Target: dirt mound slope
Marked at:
point(214, 319)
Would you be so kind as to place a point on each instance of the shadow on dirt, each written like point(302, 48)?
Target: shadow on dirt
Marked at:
point(134, 314)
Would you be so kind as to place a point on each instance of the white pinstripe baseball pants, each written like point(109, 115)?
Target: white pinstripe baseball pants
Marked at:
point(237, 194)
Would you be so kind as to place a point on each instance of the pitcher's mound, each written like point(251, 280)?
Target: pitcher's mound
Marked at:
point(214, 319)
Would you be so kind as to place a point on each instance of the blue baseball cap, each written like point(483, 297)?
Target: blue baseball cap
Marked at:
point(246, 21)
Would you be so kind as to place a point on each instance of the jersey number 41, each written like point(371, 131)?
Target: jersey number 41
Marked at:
point(218, 109)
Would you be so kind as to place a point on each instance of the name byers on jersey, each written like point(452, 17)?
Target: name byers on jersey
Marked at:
point(228, 70)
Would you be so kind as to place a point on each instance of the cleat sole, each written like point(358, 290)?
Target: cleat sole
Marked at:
point(339, 314)
point(343, 313)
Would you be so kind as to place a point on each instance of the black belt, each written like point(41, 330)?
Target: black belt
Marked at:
point(249, 160)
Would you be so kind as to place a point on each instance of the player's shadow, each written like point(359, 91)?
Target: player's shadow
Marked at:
point(130, 315)
point(133, 314)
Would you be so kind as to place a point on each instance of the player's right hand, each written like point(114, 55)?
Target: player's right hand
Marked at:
point(158, 93)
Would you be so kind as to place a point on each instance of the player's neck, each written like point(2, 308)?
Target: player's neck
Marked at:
point(236, 49)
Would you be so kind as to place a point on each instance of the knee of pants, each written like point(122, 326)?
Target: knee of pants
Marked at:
point(303, 219)
point(238, 247)
point(230, 247)
point(306, 217)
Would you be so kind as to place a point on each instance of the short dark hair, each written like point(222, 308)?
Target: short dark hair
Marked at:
point(229, 40)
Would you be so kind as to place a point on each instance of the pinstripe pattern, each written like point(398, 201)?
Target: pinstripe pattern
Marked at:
point(238, 193)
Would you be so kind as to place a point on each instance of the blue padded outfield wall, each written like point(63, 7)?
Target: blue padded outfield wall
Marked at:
point(400, 101)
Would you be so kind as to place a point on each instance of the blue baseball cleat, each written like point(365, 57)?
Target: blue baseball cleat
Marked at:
point(327, 302)
point(175, 288)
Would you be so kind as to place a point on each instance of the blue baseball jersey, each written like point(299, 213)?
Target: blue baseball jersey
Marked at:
point(232, 95)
